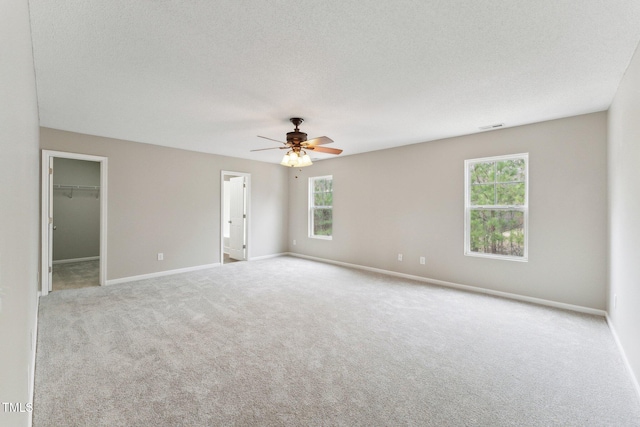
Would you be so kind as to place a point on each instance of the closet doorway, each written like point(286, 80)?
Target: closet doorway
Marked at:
point(74, 206)
point(234, 228)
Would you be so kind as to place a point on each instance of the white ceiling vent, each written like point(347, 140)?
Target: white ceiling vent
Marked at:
point(489, 127)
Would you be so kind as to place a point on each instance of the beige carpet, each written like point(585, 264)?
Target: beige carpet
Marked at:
point(75, 275)
point(290, 342)
point(226, 259)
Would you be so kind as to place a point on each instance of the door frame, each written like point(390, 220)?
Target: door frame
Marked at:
point(47, 229)
point(247, 207)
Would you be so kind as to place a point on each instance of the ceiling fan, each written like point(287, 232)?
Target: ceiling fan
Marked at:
point(297, 144)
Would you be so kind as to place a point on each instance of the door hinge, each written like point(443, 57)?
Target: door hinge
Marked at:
point(50, 171)
point(244, 246)
point(49, 269)
point(50, 220)
point(244, 216)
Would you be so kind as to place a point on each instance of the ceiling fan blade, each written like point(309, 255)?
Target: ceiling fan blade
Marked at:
point(325, 150)
point(319, 141)
point(271, 139)
point(272, 148)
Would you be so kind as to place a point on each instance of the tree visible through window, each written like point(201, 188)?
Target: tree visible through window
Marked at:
point(321, 207)
point(496, 206)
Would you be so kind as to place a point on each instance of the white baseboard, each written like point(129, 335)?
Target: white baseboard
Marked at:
point(66, 261)
point(181, 270)
point(634, 379)
point(34, 343)
point(508, 295)
point(161, 273)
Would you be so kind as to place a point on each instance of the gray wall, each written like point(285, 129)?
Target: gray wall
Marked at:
point(168, 200)
point(410, 200)
point(19, 189)
point(624, 214)
point(76, 214)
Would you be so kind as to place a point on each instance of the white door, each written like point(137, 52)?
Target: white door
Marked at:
point(237, 227)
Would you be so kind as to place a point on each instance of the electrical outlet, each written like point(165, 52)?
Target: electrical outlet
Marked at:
point(160, 256)
point(399, 257)
point(423, 260)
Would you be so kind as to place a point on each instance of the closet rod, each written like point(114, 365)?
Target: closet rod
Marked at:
point(77, 187)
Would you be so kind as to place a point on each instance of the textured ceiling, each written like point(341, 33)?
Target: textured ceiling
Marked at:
point(212, 75)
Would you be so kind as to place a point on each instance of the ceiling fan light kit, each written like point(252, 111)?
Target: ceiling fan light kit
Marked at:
point(297, 143)
point(293, 159)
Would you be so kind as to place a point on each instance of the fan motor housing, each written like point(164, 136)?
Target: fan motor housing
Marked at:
point(296, 137)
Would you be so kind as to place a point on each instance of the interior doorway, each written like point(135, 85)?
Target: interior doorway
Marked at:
point(74, 206)
point(76, 224)
point(234, 228)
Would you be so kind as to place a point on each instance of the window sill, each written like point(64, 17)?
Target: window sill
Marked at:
point(498, 257)
point(321, 237)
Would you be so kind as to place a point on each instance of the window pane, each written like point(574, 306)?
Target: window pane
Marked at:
point(320, 186)
point(329, 184)
point(510, 194)
point(323, 199)
point(322, 222)
point(321, 204)
point(510, 170)
point(497, 232)
point(328, 199)
point(482, 173)
point(482, 194)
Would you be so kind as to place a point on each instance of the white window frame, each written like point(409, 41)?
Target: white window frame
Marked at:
point(312, 207)
point(523, 208)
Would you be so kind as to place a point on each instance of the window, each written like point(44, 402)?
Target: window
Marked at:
point(321, 207)
point(496, 207)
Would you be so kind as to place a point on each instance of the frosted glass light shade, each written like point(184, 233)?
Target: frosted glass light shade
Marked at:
point(292, 159)
point(305, 161)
